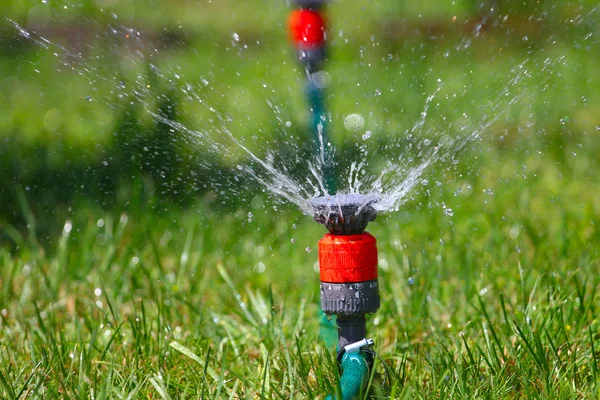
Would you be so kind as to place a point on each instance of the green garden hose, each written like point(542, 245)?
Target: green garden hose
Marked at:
point(355, 371)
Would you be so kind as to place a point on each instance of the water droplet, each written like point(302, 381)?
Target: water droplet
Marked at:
point(354, 122)
point(308, 249)
point(67, 228)
point(98, 292)
point(449, 212)
point(514, 232)
point(260, 267)
point(383, 264)
point(293, 240)
point(101, 239)
point(321, 79)
point(411, 280)
point(288, 124)
point(367, 135)
point(236, 37)
point(184, 257)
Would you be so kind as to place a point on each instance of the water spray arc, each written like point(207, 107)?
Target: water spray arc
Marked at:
point(347, 254)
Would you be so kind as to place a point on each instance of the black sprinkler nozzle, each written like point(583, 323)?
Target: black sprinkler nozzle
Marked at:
point(345, 214)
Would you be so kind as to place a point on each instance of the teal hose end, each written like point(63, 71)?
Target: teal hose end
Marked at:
point(354, 376)
point(355, 372)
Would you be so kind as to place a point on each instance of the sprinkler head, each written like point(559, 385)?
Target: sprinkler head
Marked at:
point(345, 214)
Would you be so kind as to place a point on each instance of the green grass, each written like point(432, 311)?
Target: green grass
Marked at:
point(498, 301)
point(112, 285)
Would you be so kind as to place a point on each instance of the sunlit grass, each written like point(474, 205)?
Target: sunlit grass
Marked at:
point(497, 301)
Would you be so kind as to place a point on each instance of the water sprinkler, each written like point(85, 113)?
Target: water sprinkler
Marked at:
point(349, 283)
point(348, 263)
point(347, 254)
point(308, 33)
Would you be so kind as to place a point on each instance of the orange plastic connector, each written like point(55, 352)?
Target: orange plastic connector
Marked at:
point(307, 28)
point(348, 258)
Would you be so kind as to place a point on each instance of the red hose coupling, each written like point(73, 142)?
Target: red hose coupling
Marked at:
point(348, 265)
point(307, 29)
point(348, 258)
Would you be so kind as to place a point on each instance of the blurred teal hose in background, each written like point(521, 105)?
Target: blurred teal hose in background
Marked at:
point(320, 137)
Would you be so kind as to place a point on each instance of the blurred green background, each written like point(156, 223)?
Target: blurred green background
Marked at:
point(80, 80)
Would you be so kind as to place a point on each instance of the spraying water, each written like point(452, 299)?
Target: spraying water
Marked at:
point(408, 154)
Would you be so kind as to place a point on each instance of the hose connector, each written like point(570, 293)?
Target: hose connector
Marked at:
point(356, 347)
point(348, 265)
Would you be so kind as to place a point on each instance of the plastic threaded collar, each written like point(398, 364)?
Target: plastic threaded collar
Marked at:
point(348, 258)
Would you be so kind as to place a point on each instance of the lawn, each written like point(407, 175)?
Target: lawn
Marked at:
point(165, 275)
